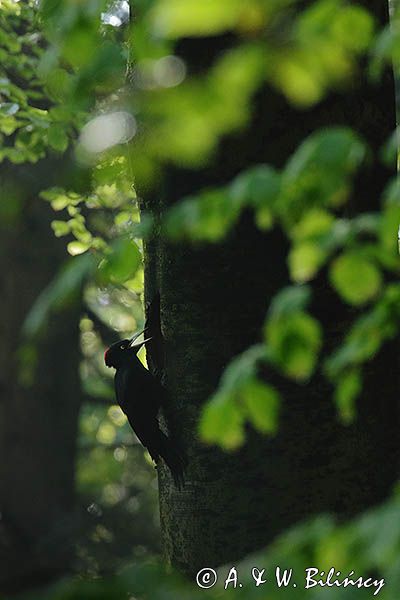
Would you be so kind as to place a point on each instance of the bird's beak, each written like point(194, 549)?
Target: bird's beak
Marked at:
point(139, 344)
point(135, 336)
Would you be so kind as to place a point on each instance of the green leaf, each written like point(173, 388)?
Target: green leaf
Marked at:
point(57, 137)
point(60, 228)
point(241, 369)
point(355, 278)
point(347, 390)
point(304, 261)
point(386, 50)
point(353, 27)
point(318, 174)
point(258, 186)
point(75, 247)
point(60, 198)
point(121, 264)
point(367, 334)
point(294, 343)
point(8, 125)
point(315, 224)
point(206, 217)
point(289, 300)
point(222, 422)
point(261, 402)
point(294, 76)
point(58, 84)
point(336, 148)
point(264, 218)
point(186, 18)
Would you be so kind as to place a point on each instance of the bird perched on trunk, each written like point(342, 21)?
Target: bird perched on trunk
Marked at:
point(140, 396)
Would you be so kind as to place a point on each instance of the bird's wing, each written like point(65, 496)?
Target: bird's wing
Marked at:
point(138, 393)
point(120, 384)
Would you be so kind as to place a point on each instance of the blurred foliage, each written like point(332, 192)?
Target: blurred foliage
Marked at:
point(46, 98)
point(302, 56)
point(77, 79)
point(369, 546)
point(310, 53)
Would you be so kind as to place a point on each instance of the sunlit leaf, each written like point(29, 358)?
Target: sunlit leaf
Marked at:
point(315, 224)
point(304, 261)
point(75, 248)
point(222, 423)
point(355, 278)
point(176, 18)
point(60, 228)
point(261, 401)
point(353, 27)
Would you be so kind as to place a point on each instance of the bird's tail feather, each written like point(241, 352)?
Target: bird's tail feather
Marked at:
point(174, 459)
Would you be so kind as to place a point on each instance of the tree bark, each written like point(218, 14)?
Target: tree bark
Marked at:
point(213, 302)
point(40, 394)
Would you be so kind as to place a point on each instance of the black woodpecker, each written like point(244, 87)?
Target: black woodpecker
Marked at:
point(140, 396)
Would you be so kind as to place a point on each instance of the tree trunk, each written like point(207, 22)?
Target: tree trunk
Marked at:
point(40, 394)
point(213, 302)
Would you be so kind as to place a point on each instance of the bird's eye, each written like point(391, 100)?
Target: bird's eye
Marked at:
point(122, 347)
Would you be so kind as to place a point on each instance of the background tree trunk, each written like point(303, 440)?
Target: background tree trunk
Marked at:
point(40, 393)
point(213, 302)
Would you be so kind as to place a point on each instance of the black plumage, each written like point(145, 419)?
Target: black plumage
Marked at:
point(140, 396)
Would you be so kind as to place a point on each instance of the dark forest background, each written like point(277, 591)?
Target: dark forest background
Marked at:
point(239, 160)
